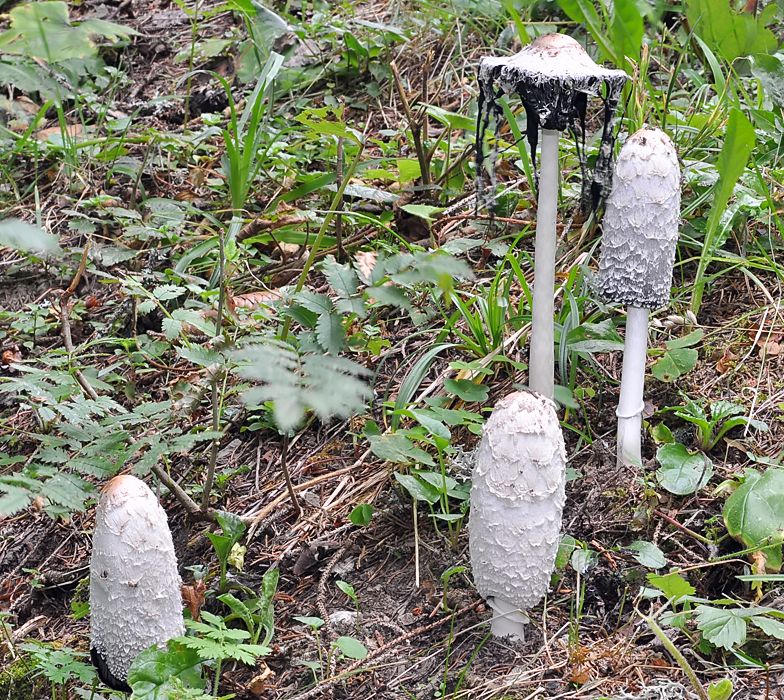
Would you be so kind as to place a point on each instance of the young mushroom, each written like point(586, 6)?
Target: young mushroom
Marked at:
point(135, 598)
point(553, 75)
point(635, 267)
point(517, 498)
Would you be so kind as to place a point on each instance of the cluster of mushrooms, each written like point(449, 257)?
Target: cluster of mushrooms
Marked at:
point(518, 484)
point(518, 481)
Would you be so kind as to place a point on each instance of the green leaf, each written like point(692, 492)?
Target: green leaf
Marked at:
point(769, 70)
point(686, 341)
point(361, 514)
point(681, 472)
point(19, 235)
point(330, 333)
point(739, 141)
point(152, 670)
point(327, 121)
point(770, 626)
point(314, 622)
point(627, 31)
point(44, 30)
point(674, 363)
point(648, 554)
point(396, 447)
point(661, 434)
point(720, 690)
point(595, 337)
point(673, 585)
point(423, 211)
point(418, 489)
point(347, 588)
point(351, 648)
point(342, 278)
point(754, 514)
point(723, 627)
point(565, 548)
point(730, 33)
point(329, 385)
point(467, 390)
point(231, 524)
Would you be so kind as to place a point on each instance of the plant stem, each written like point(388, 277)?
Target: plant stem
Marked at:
point(320, 236)
point(680, 658)
point(542, 364)
point(630, 403)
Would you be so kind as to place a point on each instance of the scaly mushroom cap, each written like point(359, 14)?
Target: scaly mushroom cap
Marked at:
point(517, 498)
point(553, 75)
point(547, 73)
point(641, 222)
point(135, 598)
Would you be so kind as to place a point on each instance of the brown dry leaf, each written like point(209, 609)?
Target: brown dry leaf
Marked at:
point(11, 356)
point(366, 262)
point(771, 348)
point(72, 129)
point(258, 683)
point(580, 676)
point(193, 596)
point(253, 300)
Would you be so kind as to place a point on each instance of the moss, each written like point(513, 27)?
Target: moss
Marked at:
point(16, 682)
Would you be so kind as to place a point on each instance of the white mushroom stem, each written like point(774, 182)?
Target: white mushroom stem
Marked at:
point(631, 404)
point(508, 620)
point(542, 358)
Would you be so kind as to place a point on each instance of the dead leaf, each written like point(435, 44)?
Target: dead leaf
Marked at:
point(253, 300)
point(366, 262)
point(73, 131)
point(193, 596)
point(258, 683)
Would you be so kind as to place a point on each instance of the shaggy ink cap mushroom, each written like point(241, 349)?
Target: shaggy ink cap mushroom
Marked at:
point(640, 234)
point(517, 499)
point(641, 219)
point(553, 76)
point(135, 598)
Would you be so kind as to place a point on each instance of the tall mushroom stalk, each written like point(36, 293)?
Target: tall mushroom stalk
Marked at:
point(135, 598)
point(553, 75)
point(517, 498)
point(635, 267)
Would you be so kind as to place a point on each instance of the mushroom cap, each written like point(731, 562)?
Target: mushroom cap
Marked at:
point(547, 73)
point(517, 498)
point(135, 598)
point(641, 222)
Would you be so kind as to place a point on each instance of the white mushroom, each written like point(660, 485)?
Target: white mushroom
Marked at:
point(553, 75)
point(517, 498)
point(635, 267)
point(135, 598)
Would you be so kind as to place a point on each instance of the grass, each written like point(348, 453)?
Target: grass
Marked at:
point(219, 217)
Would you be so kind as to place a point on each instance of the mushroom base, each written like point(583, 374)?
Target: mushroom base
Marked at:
point(508, 621)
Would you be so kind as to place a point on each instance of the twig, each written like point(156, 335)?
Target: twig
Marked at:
point(66, 324)
point(191, 507)
point(284, 465)
point(415, 126)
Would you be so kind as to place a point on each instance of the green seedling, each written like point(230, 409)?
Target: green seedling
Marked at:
point(60, 666)
point(257, 613)
point(445, 579)
point(348, 589)
point(233, 529)
point(712, 426)
point(349, 648)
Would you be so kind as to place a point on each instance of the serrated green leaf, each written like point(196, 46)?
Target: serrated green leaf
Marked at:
point(681, 472)
point(673, 585)
point(770, 626)
point(150, 673)
point(674, 363)
point(720, 626)
point(19, 235)
point(164, 292)
point(341, 278)
point(330, 333)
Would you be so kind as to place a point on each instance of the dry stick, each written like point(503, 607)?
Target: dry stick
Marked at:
point(191, 507)
point(381, 651)
point(415, 127)
point(66, 325)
